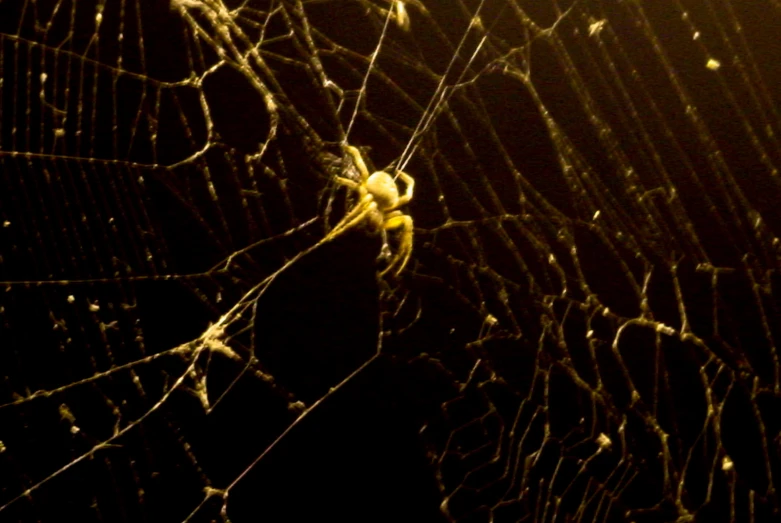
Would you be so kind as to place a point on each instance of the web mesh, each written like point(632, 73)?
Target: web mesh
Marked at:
point(585, 330)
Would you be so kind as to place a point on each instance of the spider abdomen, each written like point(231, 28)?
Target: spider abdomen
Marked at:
point(383, 188)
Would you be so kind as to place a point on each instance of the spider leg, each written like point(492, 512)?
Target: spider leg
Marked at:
point(358, 161)
point(366, 206)
point(404, 223)
point(404, 199)
point(341, 180)
point(385, 252)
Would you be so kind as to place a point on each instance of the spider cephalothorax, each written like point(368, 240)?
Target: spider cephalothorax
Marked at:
point(378, 204)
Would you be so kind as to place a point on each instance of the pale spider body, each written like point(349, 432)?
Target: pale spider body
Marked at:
point(377, 208)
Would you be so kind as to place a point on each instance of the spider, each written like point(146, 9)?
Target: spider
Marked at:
point(378, 204)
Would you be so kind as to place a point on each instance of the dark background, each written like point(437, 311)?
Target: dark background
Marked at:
point(502, 421)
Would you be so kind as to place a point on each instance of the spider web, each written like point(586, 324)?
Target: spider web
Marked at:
point(586, 328)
